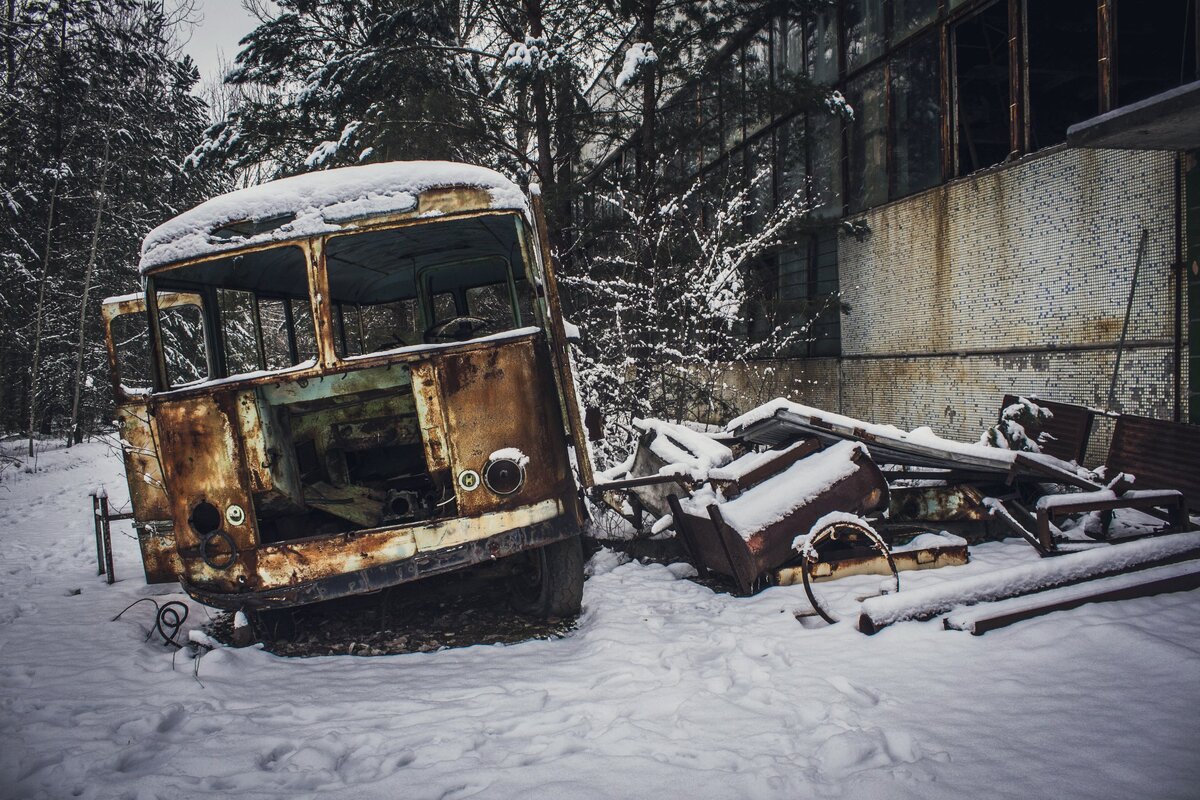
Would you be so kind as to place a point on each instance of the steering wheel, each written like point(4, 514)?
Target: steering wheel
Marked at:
point(456, 329)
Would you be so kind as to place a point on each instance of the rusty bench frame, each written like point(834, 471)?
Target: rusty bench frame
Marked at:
point(1133, 442)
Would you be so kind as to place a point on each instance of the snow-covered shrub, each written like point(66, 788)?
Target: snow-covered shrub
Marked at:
point(664, 303)
point(1010, 432)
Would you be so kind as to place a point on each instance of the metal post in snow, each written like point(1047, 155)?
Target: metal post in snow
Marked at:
point(1137, 265)
point(96, 526)
point(107, 535)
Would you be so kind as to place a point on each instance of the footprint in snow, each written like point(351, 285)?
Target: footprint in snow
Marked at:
point(858, 695)
point(852, 751)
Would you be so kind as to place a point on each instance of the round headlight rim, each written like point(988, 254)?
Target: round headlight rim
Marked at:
point(487, 481)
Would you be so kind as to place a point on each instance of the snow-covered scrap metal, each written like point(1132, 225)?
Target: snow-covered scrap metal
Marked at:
point(750, 535)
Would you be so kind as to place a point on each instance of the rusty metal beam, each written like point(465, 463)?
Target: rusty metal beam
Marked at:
point(561, 350)
point(978, 620)
point(1106, 48)
point(906, 560)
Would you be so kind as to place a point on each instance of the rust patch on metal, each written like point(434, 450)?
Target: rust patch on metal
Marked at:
point(722, 550)
point(504, 398)
point(937, 504)
point(453, 199)
point(905, 560)
point(160, 557)
point(202, 458)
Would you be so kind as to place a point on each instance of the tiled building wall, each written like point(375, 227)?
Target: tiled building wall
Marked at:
point(1011, 280)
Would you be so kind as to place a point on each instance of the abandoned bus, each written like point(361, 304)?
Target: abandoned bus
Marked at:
point(339, 382)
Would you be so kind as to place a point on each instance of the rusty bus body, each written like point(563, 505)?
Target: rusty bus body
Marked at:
point(336, 403)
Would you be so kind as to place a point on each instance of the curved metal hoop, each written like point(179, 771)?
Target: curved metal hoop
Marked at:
point(830, 533)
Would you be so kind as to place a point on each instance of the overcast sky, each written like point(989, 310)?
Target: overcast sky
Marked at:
point(216, 37)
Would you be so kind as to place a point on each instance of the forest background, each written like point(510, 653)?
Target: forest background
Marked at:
point(106, 132)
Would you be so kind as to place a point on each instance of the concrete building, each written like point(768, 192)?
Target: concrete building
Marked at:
point(977, 250)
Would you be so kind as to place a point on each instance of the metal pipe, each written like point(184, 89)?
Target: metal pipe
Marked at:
point(1008, 351)
point(1137, 266)
point(1180, 217)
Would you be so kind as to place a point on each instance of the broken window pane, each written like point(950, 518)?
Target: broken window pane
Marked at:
point(864, 32)
point(980, 45)
point(277, 273)
point(758, 108)
point(306, 335)
point(1156, 47)
point(131, 339)
point(709, 135)
point(790, 46)
point(868, 141)
point(827, 316)
point(275, 333)
point(237, 331)
point(760, 180)
point(733, 100)
point(182, 330)
point(1063, 80)
point(909, 16)
point(807, 296)
point(916, 117)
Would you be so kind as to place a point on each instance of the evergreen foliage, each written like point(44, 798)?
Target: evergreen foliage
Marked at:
point(96, 116)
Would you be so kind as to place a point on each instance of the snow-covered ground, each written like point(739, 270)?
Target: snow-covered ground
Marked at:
point(665, 690)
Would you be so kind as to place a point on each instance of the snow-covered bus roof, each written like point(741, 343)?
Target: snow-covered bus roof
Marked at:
point(315, 203)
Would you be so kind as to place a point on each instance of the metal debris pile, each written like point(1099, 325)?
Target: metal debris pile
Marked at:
point(788, 493)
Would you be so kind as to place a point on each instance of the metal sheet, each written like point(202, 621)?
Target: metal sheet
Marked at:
point(202, 459)
point(724, 551)
point(1159, 453)
point(503, 397)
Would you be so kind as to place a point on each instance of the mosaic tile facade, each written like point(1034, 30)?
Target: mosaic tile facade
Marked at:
point(1035, 256)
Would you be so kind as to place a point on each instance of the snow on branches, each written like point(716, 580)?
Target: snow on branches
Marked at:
point(669, 299)
point(638, 58)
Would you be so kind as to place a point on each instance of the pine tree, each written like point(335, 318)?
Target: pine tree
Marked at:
point(97, 115)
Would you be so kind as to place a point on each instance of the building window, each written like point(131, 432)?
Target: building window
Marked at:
point(981, 96)
point(821, 42)
point(825, 158)
point(910, 16)
point(733, 100)
point(1063, 68)
point(757, 60)
point(1156, 47)
point(807, 296)
point(864, 32)
point(868, 141)
point(916, 120)
point(791, 168)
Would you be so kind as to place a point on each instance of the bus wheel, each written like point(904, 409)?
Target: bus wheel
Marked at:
point(549, 580)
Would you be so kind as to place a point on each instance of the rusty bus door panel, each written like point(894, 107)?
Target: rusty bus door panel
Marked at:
point(143, 470)
point(565, 376)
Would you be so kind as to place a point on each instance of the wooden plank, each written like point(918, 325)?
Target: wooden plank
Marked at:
point(980, 619)
point(1065, 570)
